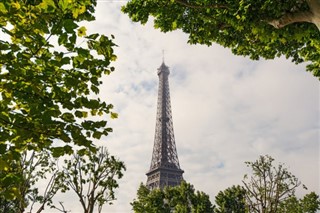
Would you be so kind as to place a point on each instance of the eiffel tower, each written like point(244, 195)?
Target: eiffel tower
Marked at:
point(165, 169)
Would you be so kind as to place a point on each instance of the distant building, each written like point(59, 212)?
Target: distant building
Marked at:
point(165, 169)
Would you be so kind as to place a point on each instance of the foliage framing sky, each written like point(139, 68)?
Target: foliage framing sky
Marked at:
point(226, 109)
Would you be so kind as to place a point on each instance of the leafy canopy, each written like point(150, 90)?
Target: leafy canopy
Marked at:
point(232, 199)
point(310, 203)
point(243, 26)
point(180, 199)
point(46, 78)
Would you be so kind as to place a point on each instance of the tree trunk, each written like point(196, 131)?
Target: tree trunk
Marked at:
point(311, 16)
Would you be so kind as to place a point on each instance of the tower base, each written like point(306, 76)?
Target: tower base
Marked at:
point(162, 177)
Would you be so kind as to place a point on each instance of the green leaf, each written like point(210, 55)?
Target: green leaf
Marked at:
point(4, 166)
point(63, 38)
point(65, 138)
point(3, 8)
point(69, 25)
point(68, 149)
point(3, 148)
point(81, 114)
point(93, 104)
point(93, 36)
point(73, 39)
point(67, 116)
point(95, 89)
point(65, 60)
point(113, 115)
point(57, 151)
point(64, 4)
point(47, 5)
point(97, 135)
point(174, 25)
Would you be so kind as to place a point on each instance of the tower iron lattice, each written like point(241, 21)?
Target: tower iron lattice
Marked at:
point(164, 169)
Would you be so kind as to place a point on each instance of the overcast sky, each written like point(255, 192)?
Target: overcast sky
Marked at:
point(226, 109)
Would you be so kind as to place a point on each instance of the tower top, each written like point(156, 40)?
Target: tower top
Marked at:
point(163, 69)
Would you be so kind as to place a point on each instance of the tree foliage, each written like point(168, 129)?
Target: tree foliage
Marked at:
point(8, 206)
point(268, 185)
point(232, 199)
point(32, 167)
point(93, 178)
point(46, 78)
point(246, 27)
point(180, 199)
point(269, 189)
point(91, 175)
point(310, 203)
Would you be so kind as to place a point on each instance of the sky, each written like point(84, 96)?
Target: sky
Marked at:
point(226, 109)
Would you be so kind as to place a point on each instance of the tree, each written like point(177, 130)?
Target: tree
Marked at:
point(268, 186)
point(46, 77)
point(149, 201)
point(92, 177)
point(310, 203)
point(270, 189)
point(40, 166)
point(32, 167)
point(248, 28)
point(232, 199)
point(180, 199)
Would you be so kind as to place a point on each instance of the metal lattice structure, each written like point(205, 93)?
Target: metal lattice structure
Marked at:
point(165, 169)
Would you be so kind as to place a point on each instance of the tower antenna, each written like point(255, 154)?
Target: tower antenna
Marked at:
point(162, 56)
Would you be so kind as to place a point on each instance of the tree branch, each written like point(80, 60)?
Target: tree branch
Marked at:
point(61, 210)
point(310, 16)
point(290, 18)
